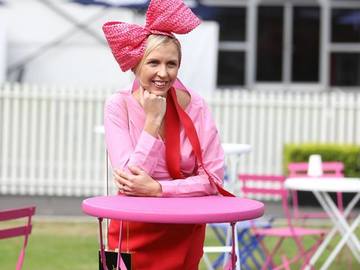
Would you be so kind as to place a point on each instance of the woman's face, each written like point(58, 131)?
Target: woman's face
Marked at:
point(160, 69)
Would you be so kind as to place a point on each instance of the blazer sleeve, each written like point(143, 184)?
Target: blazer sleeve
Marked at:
point(121, 149)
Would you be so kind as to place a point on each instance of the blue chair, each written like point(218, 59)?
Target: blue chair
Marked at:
point(249, 251)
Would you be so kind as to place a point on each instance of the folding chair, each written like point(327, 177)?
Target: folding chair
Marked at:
point(248, 249)
point(25, 230)
point(273, 185)
point(300, 169)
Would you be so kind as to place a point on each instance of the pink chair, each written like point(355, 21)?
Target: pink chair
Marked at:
point(25, 230)
point(273, 185)
point(299, 169)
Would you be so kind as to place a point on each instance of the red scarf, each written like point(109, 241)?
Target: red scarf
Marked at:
point(173, 117)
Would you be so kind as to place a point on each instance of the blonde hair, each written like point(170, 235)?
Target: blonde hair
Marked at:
point(152, 43)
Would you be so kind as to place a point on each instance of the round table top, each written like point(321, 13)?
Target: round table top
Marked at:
point(236, 148)
point(327, 184)
point(189, 210)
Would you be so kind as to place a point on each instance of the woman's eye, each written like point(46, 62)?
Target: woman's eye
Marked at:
point(152, 63)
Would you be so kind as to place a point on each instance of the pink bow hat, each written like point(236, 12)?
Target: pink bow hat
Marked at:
point(163, 17)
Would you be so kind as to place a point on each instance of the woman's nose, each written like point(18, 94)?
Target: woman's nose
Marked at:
point(162, 71)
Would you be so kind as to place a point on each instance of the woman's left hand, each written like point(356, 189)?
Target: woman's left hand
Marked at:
point(136, 183)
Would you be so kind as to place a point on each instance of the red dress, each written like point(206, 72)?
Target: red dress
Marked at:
point(174, 246)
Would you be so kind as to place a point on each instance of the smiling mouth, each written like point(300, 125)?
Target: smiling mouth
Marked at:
point(160, 84)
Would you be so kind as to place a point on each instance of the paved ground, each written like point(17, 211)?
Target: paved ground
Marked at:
point(45, 205)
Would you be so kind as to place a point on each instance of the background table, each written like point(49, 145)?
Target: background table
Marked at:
point(321, 186)
point(233, 152)
point(192, 210)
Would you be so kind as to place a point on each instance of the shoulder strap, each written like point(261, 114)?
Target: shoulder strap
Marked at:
point(190, 131)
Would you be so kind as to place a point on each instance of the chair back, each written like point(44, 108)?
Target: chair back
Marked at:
point(25, 230)
point(333, 169)
point(266, 185)
point(329, 168)
point(298, 169)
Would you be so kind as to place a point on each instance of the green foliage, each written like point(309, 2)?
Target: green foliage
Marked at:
point(349, 154)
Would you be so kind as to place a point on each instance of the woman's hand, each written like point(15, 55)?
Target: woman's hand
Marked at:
point(154, 106)
point(137, 183)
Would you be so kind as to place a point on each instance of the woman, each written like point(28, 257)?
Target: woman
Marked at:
point(160, 137)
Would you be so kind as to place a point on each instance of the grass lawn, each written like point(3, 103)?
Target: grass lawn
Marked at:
point(72, 245)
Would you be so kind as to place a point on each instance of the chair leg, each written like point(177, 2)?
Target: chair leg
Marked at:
point(269, 260)
point(305, 255)
point(295, 204)
point(208, 262)
point(310, 252)
point(249, 246)
point(285, 262)
point(339, 199)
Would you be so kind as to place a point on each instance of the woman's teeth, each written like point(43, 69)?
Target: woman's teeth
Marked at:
point(159, 83)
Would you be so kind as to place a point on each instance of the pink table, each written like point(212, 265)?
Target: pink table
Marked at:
point(192, 210)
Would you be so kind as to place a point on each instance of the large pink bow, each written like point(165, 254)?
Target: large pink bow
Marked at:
point(163, 17)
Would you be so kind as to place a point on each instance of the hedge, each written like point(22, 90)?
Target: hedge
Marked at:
point(349, 154)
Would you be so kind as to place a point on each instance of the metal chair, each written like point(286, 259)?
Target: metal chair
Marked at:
point(273, 185)
point(248, 249)
point(25, 230)
point(300, 169)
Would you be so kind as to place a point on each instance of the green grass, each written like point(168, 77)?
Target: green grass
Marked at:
point(72, 245)
point(54, 246)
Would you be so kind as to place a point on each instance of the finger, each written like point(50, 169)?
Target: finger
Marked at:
point(136, 170)
point(152, 96)
point(119, 186)
point(119, 181)
point(123, 188)
point(146, 94)
point(122, 180)
point(161, 98)
point(122, 174)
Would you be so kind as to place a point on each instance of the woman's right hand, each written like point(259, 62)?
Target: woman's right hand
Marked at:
point(154, 106)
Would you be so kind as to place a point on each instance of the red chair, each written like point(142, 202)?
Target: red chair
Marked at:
point(273, 185)
point(300, 169)
point(25, 230)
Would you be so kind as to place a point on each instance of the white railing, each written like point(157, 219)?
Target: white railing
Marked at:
point(48, 143)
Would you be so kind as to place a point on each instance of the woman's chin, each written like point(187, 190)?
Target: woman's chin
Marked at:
point(159, 92)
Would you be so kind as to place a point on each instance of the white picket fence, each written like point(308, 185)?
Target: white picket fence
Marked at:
point(48, 143)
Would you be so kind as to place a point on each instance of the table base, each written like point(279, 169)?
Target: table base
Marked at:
point(121, 264)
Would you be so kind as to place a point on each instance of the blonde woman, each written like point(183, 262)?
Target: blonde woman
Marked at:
point(160, 137)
